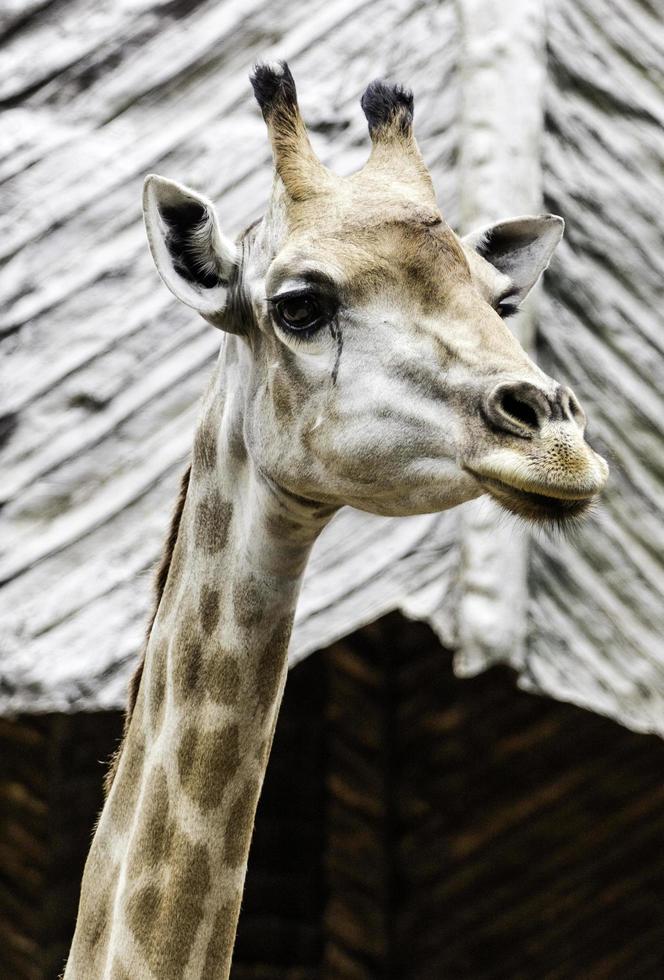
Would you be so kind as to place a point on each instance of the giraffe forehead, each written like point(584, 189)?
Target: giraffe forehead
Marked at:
point(365, 199)
point(368, 200)
point(353, 206)
point(419, 256)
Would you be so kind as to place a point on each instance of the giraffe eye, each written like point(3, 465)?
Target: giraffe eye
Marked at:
point(505, 309)
point(301, 312)
point(507, 304)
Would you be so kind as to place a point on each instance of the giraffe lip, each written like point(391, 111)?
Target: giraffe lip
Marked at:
point(563, 495)
point(505, 471)
point(556, 505)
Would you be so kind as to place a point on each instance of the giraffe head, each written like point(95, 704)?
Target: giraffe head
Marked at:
point(377, 369)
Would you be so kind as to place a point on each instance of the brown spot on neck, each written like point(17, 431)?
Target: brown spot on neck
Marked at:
point(152, 909)
point(222, 681)
point(213, 518)
point(157, 684)
point(221, 940)
point(123, 800)
point(96, 925)
point(207, 762)
point(272, 664)
point(247, 602)
point(186, 656)
point(198, 672)
point(205, 448)
point(155, 830)
point(208, 608)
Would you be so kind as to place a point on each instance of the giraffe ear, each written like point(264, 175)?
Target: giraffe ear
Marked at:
point(192, 256)
point(520, 248)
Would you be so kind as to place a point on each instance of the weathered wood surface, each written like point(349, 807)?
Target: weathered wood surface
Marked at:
point(103, 370)
point(100, 392)
point(503, 65)
point(597, 604)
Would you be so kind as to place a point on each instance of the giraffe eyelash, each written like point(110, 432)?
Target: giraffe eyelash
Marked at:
point(505, 310)
point(503, 307)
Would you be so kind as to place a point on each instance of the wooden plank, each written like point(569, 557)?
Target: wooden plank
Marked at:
point(503, 69)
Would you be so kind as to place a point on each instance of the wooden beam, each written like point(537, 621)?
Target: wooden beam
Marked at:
point(502, 71)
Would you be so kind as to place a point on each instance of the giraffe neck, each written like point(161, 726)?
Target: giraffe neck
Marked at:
point(163, 882)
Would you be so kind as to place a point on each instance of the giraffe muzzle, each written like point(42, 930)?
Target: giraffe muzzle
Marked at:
point(540, 465)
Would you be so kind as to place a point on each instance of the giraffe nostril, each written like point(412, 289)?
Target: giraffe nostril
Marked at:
point(518, 409)
point(574, 408)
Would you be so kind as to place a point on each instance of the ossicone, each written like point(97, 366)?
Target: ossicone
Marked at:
point(274, 87)
point(389, 110)
point(302, 173)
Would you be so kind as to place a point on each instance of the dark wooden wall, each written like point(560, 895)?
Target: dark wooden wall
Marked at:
point(280, 932)
point(51, 772)
point(479, 833)
point(412, 827)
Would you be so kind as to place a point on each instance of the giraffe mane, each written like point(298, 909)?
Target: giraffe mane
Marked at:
point(160, 578)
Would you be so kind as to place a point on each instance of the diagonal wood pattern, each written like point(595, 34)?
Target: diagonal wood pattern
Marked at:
point(102, 370)
point(597, 614)
point(106, 370)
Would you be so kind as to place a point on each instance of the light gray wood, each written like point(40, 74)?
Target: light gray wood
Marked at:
point(106, 370)
point(102, 370)
point(503, 72)
point(597, 601)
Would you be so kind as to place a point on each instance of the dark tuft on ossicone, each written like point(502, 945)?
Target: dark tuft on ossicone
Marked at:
point(273, 85)
point(384, 105)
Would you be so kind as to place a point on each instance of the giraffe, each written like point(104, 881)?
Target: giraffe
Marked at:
point(364, 361)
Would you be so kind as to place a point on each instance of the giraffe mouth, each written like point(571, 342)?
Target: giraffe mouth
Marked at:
point(533, 505)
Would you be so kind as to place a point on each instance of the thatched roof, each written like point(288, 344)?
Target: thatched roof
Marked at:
point(106, 369)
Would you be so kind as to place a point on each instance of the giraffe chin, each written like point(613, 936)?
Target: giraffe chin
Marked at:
point(535, 507)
